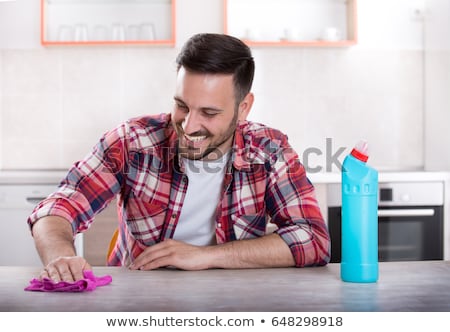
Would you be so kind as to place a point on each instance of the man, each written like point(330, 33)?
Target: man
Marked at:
point(196, 188)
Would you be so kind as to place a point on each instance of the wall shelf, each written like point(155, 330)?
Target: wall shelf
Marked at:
point(307, 23)
point(108, 22)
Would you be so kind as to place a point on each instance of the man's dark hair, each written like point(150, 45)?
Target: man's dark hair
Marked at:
point(219, 54)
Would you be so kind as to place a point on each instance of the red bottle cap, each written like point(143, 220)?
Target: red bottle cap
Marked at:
point(359, 155)
point(361, 151)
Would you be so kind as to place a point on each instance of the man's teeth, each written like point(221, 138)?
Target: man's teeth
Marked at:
point(195, 138)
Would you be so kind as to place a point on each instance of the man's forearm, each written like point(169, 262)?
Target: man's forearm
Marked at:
point(266, 251)
point(53, 238)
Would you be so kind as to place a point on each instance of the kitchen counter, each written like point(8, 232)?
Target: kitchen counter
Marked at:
point(385, 176)
point(402, 286)
point(31, 176)
point(55, 176)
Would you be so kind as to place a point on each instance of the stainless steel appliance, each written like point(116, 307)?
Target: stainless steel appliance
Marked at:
point(410, 221)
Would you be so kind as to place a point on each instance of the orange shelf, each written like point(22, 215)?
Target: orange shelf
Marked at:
point(305, 43)
point(350, 24)
point(46, 40)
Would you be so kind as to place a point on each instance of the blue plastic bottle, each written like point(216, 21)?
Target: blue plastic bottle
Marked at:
point(359, 256)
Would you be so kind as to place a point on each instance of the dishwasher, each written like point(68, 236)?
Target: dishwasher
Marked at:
point(16, 204)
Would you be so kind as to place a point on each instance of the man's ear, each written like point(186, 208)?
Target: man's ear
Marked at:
point(245, 106)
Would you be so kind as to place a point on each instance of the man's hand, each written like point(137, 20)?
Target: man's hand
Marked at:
point(69, 268)
point(263, 252)
point(172, 253)
point(54, 241)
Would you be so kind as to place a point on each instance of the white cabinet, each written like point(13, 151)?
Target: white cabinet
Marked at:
point(100, 22)
point(16, 243)
point(292, 22)
point(20, 192)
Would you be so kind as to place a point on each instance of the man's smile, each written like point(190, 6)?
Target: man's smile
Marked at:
point(194, 139)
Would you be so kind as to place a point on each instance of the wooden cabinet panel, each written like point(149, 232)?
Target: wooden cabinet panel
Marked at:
point(98, 236)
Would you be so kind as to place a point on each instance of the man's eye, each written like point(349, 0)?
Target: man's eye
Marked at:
point(209, 114)
point(182, 107)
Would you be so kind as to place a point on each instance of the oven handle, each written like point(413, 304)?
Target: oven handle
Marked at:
point(406, 213)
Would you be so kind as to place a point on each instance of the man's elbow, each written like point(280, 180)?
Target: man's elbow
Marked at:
point(317, 253)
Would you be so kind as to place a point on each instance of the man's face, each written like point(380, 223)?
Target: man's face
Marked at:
point(204, 114)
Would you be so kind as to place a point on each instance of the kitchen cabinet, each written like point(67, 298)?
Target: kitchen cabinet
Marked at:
point(17, 201)
point(311, 23)
point(20, 192)
point(107, 22)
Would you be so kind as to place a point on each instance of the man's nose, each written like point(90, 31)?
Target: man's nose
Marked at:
point(191, 123)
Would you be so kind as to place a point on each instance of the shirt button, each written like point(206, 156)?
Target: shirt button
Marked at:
point(174, 216)
point(219, 225)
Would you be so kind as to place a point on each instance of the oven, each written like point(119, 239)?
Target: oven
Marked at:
point(410, 221)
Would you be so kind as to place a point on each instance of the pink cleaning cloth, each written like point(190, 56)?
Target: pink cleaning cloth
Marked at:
point(89, 283)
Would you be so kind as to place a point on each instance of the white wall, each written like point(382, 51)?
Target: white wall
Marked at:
point(56, 102)
point(373, 90)
point(194, 16)
point(19, 24)
point(437, 82)
point(1, 110)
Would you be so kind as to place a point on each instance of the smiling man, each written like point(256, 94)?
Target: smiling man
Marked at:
point(196, 188)
point(205, 115)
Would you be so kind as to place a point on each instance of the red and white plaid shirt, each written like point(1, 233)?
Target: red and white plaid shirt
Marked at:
point(138, 162)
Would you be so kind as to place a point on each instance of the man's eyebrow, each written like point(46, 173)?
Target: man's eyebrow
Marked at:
point(204, 108)
point(179, 100)
point(210, 108)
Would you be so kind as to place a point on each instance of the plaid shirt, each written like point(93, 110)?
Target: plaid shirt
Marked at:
point(138, 162)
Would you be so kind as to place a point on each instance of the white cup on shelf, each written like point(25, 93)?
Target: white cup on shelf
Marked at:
point(133, 32)
point(331, 34)
point(65, 33)
point(81, 32)
point(118, 32)
point(100, 33)
point(251, 34)
point(290, 34)
point(147, 31)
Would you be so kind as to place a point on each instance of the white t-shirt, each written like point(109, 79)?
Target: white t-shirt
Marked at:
point(196, 224)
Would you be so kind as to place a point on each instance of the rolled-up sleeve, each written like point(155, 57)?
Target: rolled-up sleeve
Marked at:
point(89, 185)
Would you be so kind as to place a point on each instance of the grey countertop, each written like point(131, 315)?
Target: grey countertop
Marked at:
point(402, 286)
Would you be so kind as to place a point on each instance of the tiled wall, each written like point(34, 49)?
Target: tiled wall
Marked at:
point(437, 84)
point(1, 110)
point(345, 95)
point(56, 102)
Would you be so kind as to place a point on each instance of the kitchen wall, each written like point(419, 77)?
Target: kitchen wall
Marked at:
point(56, 102)
point(437, 84)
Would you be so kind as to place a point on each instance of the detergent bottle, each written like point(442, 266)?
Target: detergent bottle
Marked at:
point(359, 256)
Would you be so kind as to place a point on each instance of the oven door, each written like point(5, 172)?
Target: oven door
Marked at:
point(404, 233)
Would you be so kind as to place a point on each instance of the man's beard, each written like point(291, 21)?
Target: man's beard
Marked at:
point(194, 153)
